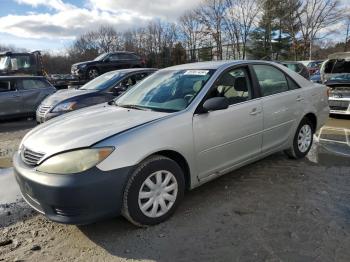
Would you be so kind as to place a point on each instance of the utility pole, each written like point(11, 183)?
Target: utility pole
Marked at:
point(347, 36)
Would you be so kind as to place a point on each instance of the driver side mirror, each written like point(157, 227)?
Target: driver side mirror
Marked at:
point(216, 103)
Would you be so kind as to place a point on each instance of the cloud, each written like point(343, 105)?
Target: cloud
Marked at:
point(54, 4)
point(169, 9)
point(66, 21)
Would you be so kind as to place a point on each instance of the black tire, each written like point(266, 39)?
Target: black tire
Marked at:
point(294, 151)
point(131, 209)
point(92, 73)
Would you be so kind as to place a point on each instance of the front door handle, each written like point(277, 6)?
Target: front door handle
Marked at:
point(255, 111)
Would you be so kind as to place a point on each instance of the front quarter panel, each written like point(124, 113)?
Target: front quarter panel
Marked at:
point(132, 146)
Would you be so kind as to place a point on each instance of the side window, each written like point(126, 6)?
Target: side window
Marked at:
point(113, 57)
point(234, 85)
point(291, 84)
point(29, 84)
point(139, 77)
point(271, 80)
point(5, 86)
point(129, 81)
point(125, 56)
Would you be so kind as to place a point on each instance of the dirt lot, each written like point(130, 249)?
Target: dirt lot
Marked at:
point(274, 210)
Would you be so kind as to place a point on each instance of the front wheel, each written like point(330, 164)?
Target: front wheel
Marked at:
point(154, 191)
point(302, 141)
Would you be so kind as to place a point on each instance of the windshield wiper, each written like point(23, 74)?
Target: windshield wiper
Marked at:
point(132, 107)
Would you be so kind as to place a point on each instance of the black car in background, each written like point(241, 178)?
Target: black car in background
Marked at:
point(99, 90)
point(106, 62)
point(297, 67)
point(21, 95)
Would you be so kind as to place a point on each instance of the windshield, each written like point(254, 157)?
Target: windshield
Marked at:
point(102, 82)
point(4, 62)
point(166, 90)
point(16, 62)
point(100, 57)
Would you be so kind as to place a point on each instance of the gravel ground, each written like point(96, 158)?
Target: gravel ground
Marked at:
point(276, 209)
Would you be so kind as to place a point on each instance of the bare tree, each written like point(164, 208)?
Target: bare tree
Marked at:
point(191, 30)
point(240, 18)
point(315, 15)
point(211, 14)
point(108, 39)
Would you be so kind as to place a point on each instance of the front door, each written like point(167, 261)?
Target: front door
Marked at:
point(32, 93)
point(10, 100)
point(231, 136)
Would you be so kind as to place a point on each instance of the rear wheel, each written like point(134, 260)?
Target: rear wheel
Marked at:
point(92, 73)
point(154, 191)
point(302, 141)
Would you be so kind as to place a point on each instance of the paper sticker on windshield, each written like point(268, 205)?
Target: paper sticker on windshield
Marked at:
point(196, 72)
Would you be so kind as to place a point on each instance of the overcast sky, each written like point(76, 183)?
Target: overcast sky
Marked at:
point(53, 24)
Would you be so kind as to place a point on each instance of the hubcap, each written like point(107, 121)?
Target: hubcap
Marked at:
point(304, 138)
point(93, 73)
point(158, 193)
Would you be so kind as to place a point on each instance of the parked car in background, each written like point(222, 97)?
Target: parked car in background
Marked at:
point(21, 95)
point(179, 128)
point(335, 73)
point(101, 89)
point(105, 63)
point(297, 67)
point(314, 66)
point(316, 77)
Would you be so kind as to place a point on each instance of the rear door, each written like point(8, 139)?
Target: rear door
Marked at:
point(283, 102)
point(33, 91)
point(10, 98)
point(231, 136)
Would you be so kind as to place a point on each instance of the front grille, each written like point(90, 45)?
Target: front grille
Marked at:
point(43, 109)
point(338, 105)
point(30, 157)
point(69, 211)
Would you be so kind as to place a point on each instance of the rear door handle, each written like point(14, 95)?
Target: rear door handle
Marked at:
point(255, 111)
point(299, 98)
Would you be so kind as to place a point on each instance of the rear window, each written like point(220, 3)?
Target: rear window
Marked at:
point(335, 66)
point(28, 84)
point(127, 56)
point(293, 67)
point(5, 86)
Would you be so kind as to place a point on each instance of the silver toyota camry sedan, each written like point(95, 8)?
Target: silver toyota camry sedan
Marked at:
point(175, 130)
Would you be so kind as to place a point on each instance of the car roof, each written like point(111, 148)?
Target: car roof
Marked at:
point(289, 62)
point(21, 77)
point(122, 52)
point(216, 64)
point(131, 70)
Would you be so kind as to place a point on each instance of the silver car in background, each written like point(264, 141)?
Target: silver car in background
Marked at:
point(179, 128)
point(335, 73)
point(21, 95)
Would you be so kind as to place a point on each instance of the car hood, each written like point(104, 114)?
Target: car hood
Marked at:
point(85, 127)
point(83, 63)
point(61, 95)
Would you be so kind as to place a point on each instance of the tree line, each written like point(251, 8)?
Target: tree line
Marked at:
point(215, 30)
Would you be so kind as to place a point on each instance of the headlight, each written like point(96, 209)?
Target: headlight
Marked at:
point(64, 107)
point(75, 161)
